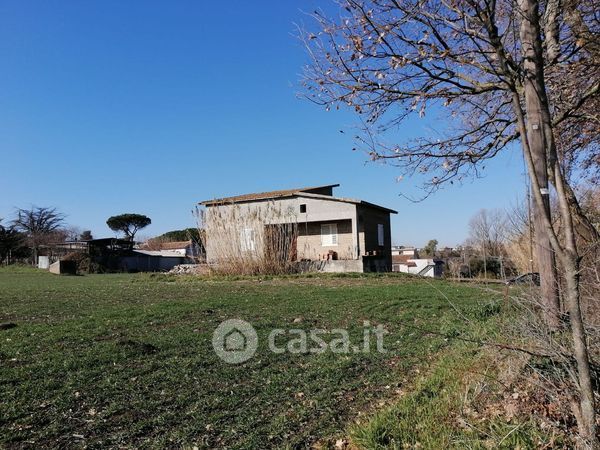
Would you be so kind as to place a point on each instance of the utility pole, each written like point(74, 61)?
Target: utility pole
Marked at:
point(535, 103)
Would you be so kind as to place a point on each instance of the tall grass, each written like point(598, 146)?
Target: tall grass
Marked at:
point(242, 239)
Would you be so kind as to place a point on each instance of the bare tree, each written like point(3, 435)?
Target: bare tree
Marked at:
point(497, 72)
point(39, 224)
point(10, 241)
point(488, 231)
point(72, 232)
point(519, 236)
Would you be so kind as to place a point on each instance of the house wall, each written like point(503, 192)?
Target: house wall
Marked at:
point(325, 190)
point(424, 267)
point(316, 209)
point(288, 210)
point(368, 220)
point(309, 241)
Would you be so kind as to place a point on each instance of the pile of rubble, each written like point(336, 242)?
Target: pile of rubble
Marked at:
point(190, 269)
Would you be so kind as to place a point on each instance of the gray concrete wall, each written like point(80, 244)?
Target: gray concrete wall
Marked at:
point(43, 262)
point(339, 266)
point(316, 209)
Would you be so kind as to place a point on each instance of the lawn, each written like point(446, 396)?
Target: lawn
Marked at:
point(126, 360)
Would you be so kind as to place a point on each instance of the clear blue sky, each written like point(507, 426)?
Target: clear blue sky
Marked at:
point(146, 106)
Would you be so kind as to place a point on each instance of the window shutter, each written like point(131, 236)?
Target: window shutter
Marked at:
point(247, 240)
point(329, 235)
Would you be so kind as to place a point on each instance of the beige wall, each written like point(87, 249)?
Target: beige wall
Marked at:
point(309, 241)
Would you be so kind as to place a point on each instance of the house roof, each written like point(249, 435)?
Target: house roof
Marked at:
point(401, 259)
point(266, 195)
point(302, 192)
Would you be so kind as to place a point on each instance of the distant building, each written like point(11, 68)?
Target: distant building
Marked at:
point(113, 255)
point(406, 260)
point(399, 250)
point(190, 249)
point(151, 260)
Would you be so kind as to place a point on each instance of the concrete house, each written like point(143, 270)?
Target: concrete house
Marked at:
point(406, 259)
point(333, 234)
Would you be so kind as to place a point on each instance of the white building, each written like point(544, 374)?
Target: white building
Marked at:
point(406, 260)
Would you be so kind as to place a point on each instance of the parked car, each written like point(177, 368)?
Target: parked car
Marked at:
point(526, 278)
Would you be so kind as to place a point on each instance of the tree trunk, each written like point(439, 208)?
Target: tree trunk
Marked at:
point(546, 261)
point(535, 104)
point(571, 260)
point(587, 427)
point(537, 139)
point(584, 228)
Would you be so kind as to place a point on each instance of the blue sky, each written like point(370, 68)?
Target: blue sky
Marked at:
point(149, 107)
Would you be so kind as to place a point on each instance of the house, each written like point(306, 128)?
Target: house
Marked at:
point(412, 252)
point(406, 259)
point(189, 249)
point(328, 233)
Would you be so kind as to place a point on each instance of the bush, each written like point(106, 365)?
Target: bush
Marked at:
point(257, 242)
point(85, 263)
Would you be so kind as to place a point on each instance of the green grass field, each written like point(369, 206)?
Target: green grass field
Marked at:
point(126, 360)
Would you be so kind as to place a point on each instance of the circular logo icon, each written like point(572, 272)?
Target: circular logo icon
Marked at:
point(235, 341)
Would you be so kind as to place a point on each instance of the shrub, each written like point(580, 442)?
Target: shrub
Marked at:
point(85, 263)
point(250, 241)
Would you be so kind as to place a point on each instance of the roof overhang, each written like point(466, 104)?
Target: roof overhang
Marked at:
point(245, 198)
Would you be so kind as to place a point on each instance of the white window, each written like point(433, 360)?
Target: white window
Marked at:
point(380, 239)
point(247, 240)
point(329, 236)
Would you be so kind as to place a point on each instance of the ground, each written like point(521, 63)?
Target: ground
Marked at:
point(126, 360)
